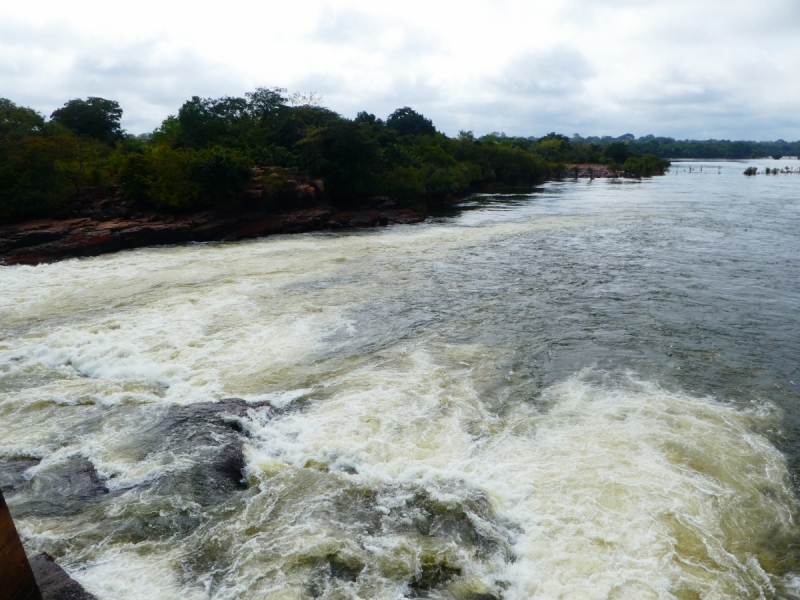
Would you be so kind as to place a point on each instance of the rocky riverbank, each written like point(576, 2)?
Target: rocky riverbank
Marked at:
point(49, 240)
point(588, 171)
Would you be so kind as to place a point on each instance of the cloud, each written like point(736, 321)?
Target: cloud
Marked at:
point(686, 68)
point(150, 78)
point(553, 72)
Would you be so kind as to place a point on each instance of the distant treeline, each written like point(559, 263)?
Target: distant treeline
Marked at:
point(204, 155)
point(666, 147)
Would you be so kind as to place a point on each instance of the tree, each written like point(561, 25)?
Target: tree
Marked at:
point(95, 117)
point(346, 157)
point(18, 121)
point(205, 121)
point(617, 152)
point(265, 103)
point(407, 121)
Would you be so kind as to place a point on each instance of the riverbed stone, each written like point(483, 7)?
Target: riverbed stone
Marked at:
point(64, 488)
point(53, 581)
point(12, 472)
point(209, 437)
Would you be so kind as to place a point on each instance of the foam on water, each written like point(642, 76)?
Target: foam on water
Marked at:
point(390, 468)
point(616, 491)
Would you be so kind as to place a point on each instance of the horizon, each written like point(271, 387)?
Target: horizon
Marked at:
point(690, 70)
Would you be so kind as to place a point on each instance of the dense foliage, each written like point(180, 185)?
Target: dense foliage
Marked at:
point(666, 147)
point(94, 117)
point(42, 163)
point(204, 155)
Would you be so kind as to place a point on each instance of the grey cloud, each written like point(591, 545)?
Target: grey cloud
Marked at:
point(688, 68)
point(555, 71)
point(148, 79)
point(369, 32)
point(418, 93)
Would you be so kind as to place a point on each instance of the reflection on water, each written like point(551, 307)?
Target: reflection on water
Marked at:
point(587, 391)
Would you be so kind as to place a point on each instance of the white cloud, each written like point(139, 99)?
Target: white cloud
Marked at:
point(687, 68)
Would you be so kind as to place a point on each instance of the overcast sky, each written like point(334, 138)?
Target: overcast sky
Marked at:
point(684, 68)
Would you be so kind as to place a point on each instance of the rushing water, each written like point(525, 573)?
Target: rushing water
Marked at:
point(585, 392)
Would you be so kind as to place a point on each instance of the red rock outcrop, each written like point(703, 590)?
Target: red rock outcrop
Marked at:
point(50, 240)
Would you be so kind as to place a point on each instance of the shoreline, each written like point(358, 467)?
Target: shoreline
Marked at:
point(51, 240)
point(105, 224)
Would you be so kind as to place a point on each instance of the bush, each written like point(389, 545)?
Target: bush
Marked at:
point(37, 175)
point(616, 152)
point(513, 165)
point(40, 163)
point(404, 184)
point(645, 166)
point(174, 178)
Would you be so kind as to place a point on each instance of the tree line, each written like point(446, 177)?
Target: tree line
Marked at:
point(204, 155)
point(666, 147)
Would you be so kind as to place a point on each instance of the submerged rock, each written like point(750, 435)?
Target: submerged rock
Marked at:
point(64, 488)
point(209, 438)
point(53, 581)
point(12, 472)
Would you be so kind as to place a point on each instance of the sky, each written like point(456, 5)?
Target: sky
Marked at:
point(723, 69)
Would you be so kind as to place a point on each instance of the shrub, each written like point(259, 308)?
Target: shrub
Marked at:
point(645, 166)
point(170, 178)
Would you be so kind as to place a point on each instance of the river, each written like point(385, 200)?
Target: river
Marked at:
point(584, 391)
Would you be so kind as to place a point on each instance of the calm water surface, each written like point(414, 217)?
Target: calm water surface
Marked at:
point(588, 391)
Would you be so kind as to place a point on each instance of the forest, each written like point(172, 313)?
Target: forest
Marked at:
point(206, 155)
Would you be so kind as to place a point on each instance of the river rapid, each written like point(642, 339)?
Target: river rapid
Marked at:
point(584, 391)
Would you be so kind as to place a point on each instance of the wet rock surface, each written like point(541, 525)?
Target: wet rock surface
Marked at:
point(49, 240)
point(12, 472)
point(207, 439)
point(16, 578)
point(63, 488)
point(53, 581)
point(588, 171)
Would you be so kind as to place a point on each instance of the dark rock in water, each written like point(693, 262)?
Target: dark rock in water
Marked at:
point(210, 436)
point(434, 571)
point(16, 578)
point(63, 488)
point(12, 472)
point(54, 582)
point(222, 474)
point(347, 570)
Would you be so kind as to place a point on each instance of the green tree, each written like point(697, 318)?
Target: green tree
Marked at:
point(170, 178)
point(345, 156)
point(205, 121)
point(39, 163)
point(407, 121)
point(264, 103)
point(18, 121)
point(94, 117)
point(617, 152)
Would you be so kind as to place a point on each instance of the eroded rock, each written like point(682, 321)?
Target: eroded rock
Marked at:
point(53, 581)
point(208, 437)
point(64, 488)
point(12, 472)
point(50, 240)
point(16, 577)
